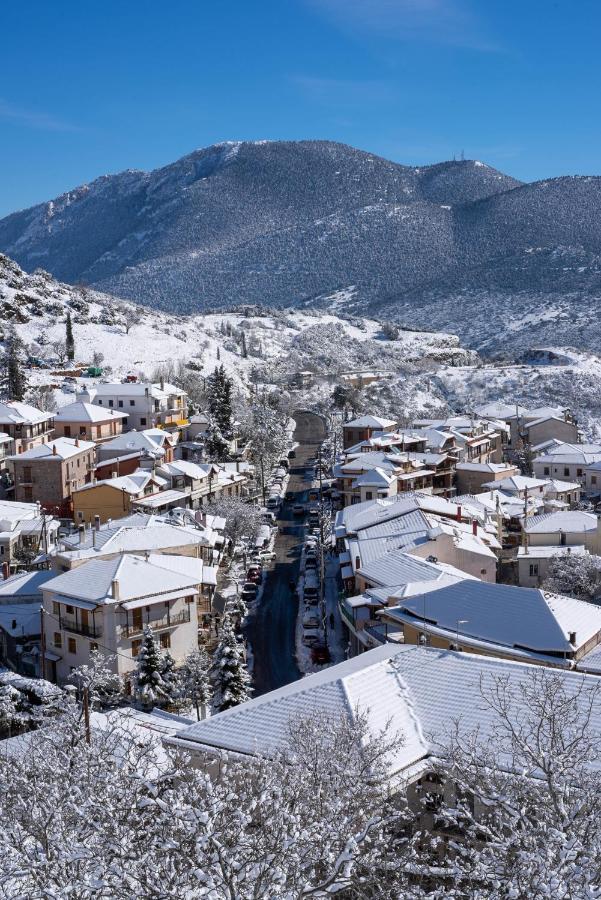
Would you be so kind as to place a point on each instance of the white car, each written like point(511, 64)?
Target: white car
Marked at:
point(267, 556)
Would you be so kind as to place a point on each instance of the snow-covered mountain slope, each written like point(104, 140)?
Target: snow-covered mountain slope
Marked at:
point(278, 343)
point(271, 223)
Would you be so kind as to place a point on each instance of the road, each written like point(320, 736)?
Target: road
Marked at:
point(271, 629)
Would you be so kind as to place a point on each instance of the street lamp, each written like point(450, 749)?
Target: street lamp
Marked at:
point(459, 622)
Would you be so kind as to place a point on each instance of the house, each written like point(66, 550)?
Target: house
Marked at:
point(501, 620)
point(113, 498)
point(27, 426)
point(364, 428)
point(473, 477)
point(20, 620)
point(117, 466)
point(197, 481)
point(143, 533)
point(533, 562)
point(153, 443)
point(49, 473)
point(568, 528)
point(567, 461)
point(592, 479)
point(395, 576)
point(92, 423)
point(412, 691)
point(147, 405)
point(109, 602)
point(388, 473)
point(535, 426)
point(476, 440)
point(26, 533)
point(7, 449)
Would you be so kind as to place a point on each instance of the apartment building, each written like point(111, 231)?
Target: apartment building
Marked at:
point(49, 473)
point(147, 405)
point(27, 426)
point(91, 423)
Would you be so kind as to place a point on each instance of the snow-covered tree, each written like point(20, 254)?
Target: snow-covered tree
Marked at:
point(574, 575)
point(105, 687)
point(150, 687)
point(172, 685)
point(219, 391)
point(229, 676)
point(525, 802)
point(242, 520)
point(238, 609)
point(196, 684)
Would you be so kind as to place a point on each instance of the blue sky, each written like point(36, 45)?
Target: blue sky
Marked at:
point(92, 87)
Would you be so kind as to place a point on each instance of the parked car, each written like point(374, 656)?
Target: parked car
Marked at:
point(320, 654)
point(268, 555)
point(289, 495)
point(310, 621)
point(310, 636)
point(311, 562)
point(249, 592)
point(298, 509)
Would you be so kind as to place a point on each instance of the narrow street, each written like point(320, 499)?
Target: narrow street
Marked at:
point(271, 628)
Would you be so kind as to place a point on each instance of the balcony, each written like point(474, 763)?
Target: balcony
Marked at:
point(136, 629)
point(88, 630)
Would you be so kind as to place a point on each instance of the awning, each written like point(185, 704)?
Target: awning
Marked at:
point(53, 657)
point(209, 575)
point(347, 572)
point(73, 601)
point(159, 598)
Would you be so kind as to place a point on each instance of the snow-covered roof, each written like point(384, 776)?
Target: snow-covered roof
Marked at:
point(493, 468)
point(547, 552)
point(61, 448)
point(502, 615)
point(570, 521)
point(369, 422)
point(137, 389)
point(358, 516)
point(499, 410)
point(559, 487)
point(518, 483)
point(585, 454)
point(16, 413)
point(136, 578)
point(12, 512)
point(20, 619)
point(133, 534)
point(417, 691)
point(151, 440)
point(81, 411)
point(398, 568)
point(533, 422)
point(132, 484)
point(190, 469)
point(374, 478)
point(161, 499)
point(24, 584)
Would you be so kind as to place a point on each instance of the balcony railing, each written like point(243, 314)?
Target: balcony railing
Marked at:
point(92, 631)
point(131, 629)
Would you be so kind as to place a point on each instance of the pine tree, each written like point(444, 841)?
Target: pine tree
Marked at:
point(229, 675)
point(244, 351)
point(149, 681)
point(196, 683)
point(14, 380)
point(69, 340)
point(221, 429)
point(172, 684)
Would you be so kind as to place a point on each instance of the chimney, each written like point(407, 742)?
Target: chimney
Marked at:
point(459, 514)
point(357, 562)
point(14, 624)
point(94, 538)
point(162, 383)
point(115, 589)
point(77, 442)
point(475, 527)
point(573, 638)
point(82, 531)
point(54, 449)
point(114, 474)
point(5, 570)
point(97, 522)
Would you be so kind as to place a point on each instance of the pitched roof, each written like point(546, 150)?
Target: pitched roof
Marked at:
point(60, 449)
point(568, 521)
point(136, 389)
point(398, 568)
point(16, 413)
point(369, 422)
point(137, 577)
point(420, 691)
point(525, 619)
point(79, 411)
point(131, 484)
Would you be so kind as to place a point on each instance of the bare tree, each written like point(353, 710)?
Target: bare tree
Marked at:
point(130, 316)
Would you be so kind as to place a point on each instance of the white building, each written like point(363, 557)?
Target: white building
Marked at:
point(105, 604)
point(147, 405)
point(25, 528)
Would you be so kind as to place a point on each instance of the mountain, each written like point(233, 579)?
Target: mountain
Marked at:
point(262, 222)
point(319, 223)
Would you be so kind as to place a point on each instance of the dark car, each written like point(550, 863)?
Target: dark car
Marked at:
point(320, 655)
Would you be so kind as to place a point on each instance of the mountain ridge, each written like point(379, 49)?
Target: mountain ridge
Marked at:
point(282, 223)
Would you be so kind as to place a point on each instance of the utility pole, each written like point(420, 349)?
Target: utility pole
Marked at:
point(86, 712)
point(42, 644)
point(322, 553)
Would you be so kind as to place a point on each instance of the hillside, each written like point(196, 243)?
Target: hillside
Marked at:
point(272, 343)
point(276, 223)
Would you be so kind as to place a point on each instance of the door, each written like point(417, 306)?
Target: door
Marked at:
point(137, 619)
point(84, 621)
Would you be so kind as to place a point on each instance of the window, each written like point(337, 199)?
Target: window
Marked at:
point(67, 430)
point(566, 471)
point(93, 646)
point(533, 569)
point(368, 495)
point(142, 421)
point(72, 645)
point(58, 639)
point(55, 608)
point(547, 471)
point(132, 402)
point(100, 402)
point(120, 403)
point(593, 479)
point(165, 641)
point(579, 473)
point(82, 430)
point(111, 402)
point(69, 610)
point(135, 648)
